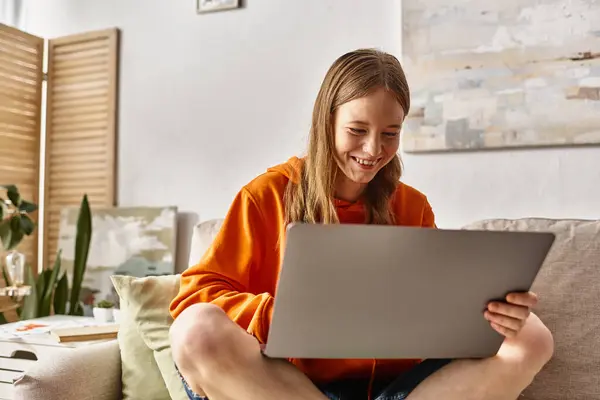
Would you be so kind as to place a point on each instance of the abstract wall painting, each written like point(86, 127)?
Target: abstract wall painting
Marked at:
point(501, 74)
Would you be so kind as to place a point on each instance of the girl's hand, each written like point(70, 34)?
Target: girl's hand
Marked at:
point(508, 318)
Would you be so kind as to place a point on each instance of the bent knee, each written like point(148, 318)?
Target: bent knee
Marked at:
point(197, 334)
point(530, 350)
point(541, 342)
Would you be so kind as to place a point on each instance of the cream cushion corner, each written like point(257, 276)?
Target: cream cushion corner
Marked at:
point(140, 376)
point(148, 301)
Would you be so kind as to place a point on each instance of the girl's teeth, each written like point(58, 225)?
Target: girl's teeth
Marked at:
point(364, 162)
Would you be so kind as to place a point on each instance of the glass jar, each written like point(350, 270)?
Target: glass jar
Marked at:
point(15, 268)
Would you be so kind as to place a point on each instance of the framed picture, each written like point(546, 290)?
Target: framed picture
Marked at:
point(496, 75)
point(134, 241)
point(205, 6)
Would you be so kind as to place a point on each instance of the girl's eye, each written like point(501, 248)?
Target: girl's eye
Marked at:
point(391, 134)
point(357, 131)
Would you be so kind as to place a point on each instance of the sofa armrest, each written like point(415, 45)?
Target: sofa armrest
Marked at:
point(86, 373)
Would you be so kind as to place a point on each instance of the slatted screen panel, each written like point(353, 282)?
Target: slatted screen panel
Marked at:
point(21, 76)
point(80, 126)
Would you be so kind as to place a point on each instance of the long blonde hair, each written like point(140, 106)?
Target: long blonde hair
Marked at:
point(309, 196)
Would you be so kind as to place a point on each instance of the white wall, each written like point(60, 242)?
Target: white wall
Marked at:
point(209, 101)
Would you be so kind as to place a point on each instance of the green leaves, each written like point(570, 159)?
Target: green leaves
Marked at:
point(49, 294)
point(17, 233)
point(27, 207)
point(27, 225)
point(30, 305)
point(45, 305)
point(41, 286)
point(61, 295)
point(105, 304)
point(77, 310)
point(82, 245)
point(15, 223)
point(11, 233)
point(46, 292)
point(13, 194)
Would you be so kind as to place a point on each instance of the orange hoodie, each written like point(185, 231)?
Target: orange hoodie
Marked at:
point(239, 272)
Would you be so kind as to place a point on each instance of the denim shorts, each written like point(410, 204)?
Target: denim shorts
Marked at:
point(356, 389)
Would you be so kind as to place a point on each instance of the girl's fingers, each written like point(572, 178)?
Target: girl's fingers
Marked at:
point(504, 321)
point(508, 318)
point(503, 330)
point(510, 310)
point(526, 299)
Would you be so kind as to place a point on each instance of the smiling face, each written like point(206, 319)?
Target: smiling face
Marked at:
point(353, 141)
point(367, 137)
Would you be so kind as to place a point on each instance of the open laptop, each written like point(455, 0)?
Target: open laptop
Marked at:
point(372, 291)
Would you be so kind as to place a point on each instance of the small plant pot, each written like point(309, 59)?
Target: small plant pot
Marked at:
point(103, 314)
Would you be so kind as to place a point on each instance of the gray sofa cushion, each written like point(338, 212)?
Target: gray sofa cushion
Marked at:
point(569, 289)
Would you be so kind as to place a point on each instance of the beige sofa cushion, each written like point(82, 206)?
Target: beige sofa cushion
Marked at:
point(568, 286)
point(140, 375)
point(148, 302)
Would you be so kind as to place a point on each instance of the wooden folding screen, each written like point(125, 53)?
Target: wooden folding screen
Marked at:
point(81, 104)
point(81, 109)
point(80, 126)
point(21, 77)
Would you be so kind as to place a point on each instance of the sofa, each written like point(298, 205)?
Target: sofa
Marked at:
point(138, 365)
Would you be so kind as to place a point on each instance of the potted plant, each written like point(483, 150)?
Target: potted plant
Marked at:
point(15, 224)
point(103, 311)
point(51, 293)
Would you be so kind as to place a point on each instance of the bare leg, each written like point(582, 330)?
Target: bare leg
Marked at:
point(218, 358)
point(502, 377)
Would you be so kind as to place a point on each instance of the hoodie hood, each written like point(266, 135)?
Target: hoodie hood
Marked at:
point(290, 169)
